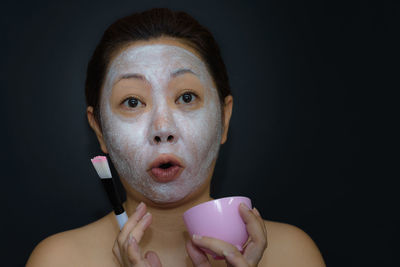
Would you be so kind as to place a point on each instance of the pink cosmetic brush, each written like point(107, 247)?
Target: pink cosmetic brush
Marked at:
point(100, 163)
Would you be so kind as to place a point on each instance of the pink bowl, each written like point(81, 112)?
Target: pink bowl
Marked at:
point(220, 219)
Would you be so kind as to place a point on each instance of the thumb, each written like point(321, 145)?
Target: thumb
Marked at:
point(153, 259)
point(198, 257)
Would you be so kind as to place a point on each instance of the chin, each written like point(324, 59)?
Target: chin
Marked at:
point(166, 193)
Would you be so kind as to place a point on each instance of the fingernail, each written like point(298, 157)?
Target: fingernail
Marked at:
point(197, 237)
point(132, 242)
point(130, 239)
point(244, 206)
point(147, 215)
point(139, 206)
point(227, 254)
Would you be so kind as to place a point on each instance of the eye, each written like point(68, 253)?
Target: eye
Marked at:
point(187, 98)
point(132, 102)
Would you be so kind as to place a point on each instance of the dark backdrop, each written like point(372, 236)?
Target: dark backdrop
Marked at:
point(305, 135)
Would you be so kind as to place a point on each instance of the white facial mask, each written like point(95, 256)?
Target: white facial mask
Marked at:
point(197, 133)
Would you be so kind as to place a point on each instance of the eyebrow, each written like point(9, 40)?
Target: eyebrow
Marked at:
point(142, 78)
point(181, 72)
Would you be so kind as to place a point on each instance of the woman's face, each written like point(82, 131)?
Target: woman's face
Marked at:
point(161, 119)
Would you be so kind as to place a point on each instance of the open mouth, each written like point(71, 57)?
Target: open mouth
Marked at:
point(165, 168)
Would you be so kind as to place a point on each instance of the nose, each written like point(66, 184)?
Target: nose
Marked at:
point(163, 129)
point(164, 137)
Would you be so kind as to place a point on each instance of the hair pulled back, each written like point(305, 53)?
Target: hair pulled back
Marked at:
point(150, 24)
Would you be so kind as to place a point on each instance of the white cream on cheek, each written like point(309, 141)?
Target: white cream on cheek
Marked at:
point(129, 139)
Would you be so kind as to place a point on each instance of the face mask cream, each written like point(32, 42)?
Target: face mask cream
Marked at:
point(164, 139)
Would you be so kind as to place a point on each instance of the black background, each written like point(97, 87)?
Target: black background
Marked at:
point(309, 141)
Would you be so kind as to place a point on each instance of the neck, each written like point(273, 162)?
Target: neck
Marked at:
point(168, 218)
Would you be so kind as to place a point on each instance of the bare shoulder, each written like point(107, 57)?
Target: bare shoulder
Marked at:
point(288, 245)
point(74, 247)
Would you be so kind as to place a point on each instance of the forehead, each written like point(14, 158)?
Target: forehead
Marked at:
point(158, 52)
point(156, 61)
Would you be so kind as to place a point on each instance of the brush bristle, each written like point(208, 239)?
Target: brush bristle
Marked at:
point(100, 163)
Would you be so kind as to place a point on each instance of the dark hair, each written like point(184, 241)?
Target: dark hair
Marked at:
point(150, 24)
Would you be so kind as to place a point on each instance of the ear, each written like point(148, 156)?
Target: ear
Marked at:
point(96, 128)
point(227, 117)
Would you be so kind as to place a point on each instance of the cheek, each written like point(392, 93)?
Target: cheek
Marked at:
point(202, 130)
point(125, 137)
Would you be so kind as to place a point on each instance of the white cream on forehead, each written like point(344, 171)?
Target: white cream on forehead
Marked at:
point(197, 132)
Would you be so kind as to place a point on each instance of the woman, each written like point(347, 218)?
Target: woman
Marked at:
point(160, 104)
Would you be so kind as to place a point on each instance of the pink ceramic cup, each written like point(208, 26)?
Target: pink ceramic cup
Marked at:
point(220, 219)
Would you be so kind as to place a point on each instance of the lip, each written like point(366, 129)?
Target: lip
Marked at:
point(165, 175)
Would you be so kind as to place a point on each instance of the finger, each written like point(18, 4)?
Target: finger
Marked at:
point(133, 251)
point(254, 226)
point(116, 252)
point(131, 223)
point(258, 215)
point(260, 219)
point(153, 259)
point(235, 258)
point(132, 244)
point(196, 255)
point(256, 229)
point(138, 231)
point(256, 212)
point(218, 246)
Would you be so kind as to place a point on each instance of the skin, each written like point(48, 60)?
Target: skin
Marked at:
point(136, 136)
point(155, 233)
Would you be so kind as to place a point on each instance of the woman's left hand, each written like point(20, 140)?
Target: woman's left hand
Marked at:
point(252, 253)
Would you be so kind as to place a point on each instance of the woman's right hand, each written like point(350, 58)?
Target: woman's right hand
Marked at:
point(126, 247)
